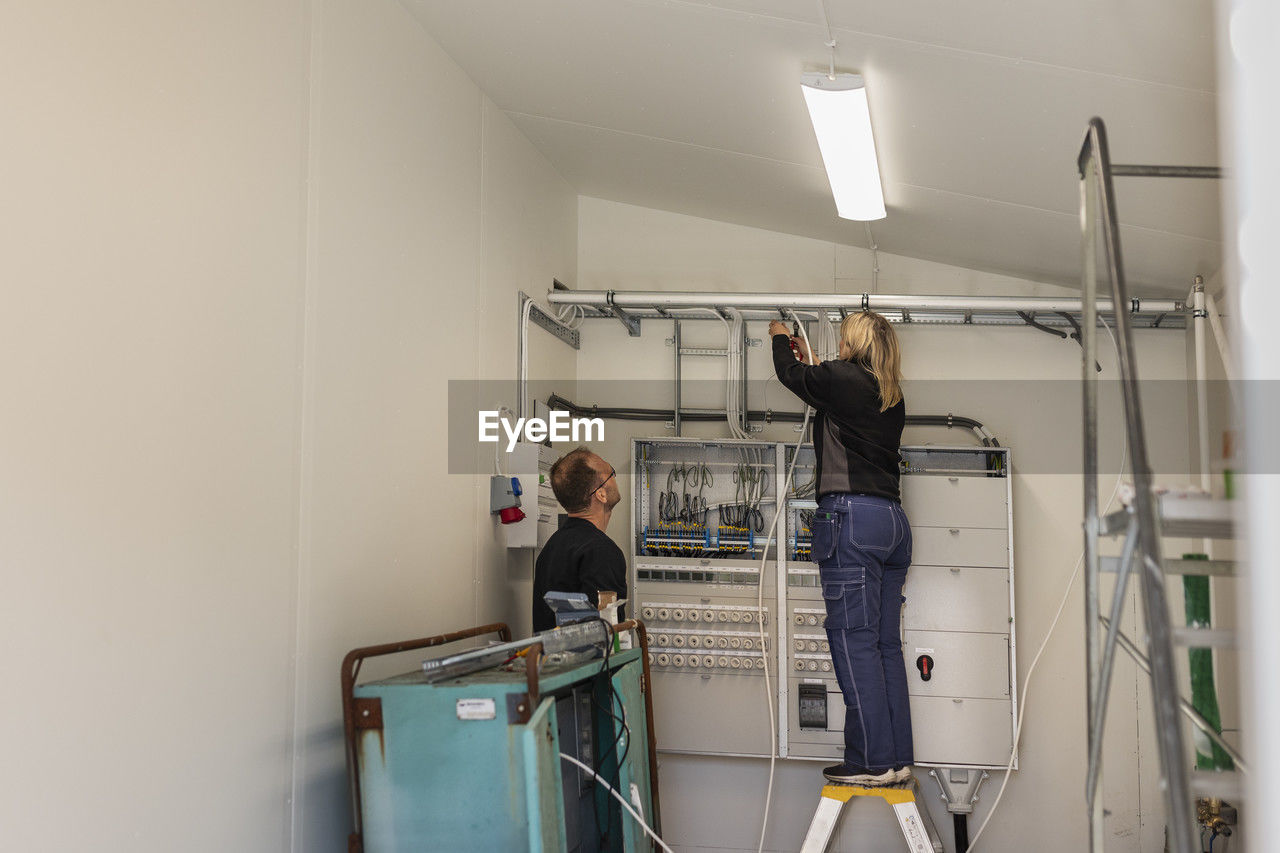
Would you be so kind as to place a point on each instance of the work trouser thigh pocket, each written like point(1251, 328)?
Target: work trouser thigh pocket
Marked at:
point(844, 591)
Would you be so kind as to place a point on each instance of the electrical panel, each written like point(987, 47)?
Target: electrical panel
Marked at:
point(700, 523)
point(702, 568)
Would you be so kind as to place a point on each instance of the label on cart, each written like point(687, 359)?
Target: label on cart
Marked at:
point(476, 709)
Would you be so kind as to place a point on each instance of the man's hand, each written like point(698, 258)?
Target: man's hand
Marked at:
point(777, 328)
point(804, 350)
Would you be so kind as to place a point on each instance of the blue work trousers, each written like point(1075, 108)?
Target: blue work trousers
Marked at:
point(862, 545)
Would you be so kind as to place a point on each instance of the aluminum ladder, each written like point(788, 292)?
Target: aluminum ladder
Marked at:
point(1144, 523)
point(914, 822)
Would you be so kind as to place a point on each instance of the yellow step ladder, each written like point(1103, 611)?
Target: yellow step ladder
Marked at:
point(916, 826)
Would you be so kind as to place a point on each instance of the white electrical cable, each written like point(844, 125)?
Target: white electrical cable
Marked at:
point(831, 39)
point(768, 690)
point(733, 370)
point(620, 799)
point(875, 259)
point(830, 347)
point(571, 316)
point(1066, 594)
point(730, 377)
point(497, 466)
point(735, 357)
point(764, 560)
point(523, 385)
point(828, 338)
point(733, 376)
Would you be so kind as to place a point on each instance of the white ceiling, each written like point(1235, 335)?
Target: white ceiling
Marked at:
point(979, 110)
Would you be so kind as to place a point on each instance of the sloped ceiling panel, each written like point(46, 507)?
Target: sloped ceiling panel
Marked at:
point(979, 110)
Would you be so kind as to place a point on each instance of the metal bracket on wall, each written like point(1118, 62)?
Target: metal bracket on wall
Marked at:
point(630, 323)
point(959, 786)
point(541, 318)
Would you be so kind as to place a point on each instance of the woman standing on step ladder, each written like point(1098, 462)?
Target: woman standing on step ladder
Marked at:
point(861, 538)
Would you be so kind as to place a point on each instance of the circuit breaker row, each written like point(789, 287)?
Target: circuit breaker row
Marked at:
point(812, 617)
point(705, 613)
point(812, 653)
point(692, 661)
point(693, 636)
point(693, 641)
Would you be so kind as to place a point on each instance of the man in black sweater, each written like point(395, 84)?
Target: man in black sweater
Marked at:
point(580, 556)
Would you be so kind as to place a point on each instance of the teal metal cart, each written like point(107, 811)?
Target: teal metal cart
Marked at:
point(476, 762)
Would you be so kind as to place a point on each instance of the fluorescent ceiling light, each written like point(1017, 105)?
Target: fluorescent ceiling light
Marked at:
point(838, 108)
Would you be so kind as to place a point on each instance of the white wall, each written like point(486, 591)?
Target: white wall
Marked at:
point(244, 247)
point(627, 247)
point(429, 212)
point(151, 260)
point(529, 238)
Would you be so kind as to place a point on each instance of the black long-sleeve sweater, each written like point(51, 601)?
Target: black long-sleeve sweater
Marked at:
point(856, 444)
point(579, 557)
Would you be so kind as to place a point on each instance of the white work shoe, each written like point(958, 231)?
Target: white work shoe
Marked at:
point(851, 774)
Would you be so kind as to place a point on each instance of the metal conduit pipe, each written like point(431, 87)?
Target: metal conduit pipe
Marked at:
point(555, 401)
point(1119, 170)
point(657, 299)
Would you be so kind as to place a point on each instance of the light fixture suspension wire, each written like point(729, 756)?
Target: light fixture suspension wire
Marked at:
point(875, 259)
point(831, 39)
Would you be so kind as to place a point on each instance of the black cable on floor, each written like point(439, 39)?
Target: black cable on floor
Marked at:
point(961, 822)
